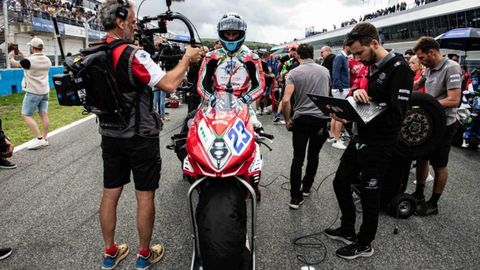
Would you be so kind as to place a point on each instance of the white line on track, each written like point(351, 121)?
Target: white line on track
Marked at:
point(57, 131)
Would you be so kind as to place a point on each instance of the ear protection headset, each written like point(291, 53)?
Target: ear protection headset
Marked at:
point(122, 11)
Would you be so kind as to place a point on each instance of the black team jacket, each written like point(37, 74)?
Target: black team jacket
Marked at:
point(391, 85)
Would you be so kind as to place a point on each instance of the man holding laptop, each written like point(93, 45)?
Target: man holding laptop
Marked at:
point(390, 84)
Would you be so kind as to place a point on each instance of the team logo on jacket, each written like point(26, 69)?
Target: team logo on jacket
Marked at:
point(230, 67)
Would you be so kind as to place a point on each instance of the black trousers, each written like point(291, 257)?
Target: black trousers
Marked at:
point(366, 164)
point(312, 131)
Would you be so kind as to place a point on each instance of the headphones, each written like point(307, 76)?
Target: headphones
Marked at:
point(122, 11)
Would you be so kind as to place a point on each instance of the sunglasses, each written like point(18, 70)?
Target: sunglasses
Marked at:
point(358, 36)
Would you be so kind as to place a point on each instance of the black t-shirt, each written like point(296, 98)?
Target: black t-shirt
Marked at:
point(328, 63)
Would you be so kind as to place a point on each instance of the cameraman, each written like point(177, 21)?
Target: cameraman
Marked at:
point(125, 151)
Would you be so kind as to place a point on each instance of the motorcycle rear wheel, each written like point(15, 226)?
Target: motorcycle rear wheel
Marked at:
point(222, 226)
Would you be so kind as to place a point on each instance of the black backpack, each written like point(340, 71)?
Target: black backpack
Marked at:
point(89, 81)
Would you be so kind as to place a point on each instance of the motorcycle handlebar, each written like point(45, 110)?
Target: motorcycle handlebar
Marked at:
point(268, 136)
point(179, 136)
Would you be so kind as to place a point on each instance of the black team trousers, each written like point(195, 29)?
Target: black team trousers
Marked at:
point(366, 166)
point(312, 131)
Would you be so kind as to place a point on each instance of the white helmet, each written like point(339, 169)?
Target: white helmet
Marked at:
point(232, 22)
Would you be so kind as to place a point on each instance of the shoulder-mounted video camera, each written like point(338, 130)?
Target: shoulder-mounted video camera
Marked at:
point(168, 53)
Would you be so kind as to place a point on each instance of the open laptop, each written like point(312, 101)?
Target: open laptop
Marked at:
point(348, 108)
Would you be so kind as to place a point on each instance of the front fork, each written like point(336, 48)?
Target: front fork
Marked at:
point(196, 250)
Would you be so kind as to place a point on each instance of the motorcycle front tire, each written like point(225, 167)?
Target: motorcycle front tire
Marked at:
point(222, 226)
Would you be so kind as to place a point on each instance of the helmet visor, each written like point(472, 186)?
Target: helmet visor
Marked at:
point(232, 23)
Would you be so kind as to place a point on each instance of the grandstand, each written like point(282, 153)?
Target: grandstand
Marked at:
point(27, 18)
point(400, 30)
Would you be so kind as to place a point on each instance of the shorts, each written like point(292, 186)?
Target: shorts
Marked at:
point(31, 102)
point(138, 155)
point(337, 94)
point(439, 157)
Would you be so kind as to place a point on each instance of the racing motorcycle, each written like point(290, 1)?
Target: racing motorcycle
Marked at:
point(221, 158)
point(468, 116)
point(471, 136)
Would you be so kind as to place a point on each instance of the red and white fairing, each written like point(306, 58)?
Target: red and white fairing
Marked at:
point(221, 140)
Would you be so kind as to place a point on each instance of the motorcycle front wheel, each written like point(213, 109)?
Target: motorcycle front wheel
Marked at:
point(222, 226)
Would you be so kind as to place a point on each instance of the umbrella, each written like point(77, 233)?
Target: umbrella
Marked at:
point(462, 39)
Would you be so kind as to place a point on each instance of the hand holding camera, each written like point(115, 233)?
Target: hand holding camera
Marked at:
point(194, 54)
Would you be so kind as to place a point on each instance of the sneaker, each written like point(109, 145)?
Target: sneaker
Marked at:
point(278, 121)
point(354, 251)
point(339, 145)
point(111, 261)
point(345, 134)
point(5, 164)
point(337, 234)
point(295, 203)
point(37, 143)
point(426, 209)
point(259, 112)
point(428, 180)
point(331, 140)
point(5, 253)
point(156, 253)
point(306, 193)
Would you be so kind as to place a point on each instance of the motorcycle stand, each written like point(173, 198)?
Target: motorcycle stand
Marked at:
point(196, 263)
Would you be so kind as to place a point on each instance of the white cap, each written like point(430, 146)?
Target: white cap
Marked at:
point(36, 43)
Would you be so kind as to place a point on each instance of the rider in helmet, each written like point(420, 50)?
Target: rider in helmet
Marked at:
point(233, 67)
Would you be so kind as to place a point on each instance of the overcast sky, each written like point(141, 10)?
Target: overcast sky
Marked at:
point(273, 21)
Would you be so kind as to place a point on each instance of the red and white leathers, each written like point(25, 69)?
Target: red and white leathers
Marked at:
point(243, 70)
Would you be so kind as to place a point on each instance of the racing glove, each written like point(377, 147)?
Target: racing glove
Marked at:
point(247, 99)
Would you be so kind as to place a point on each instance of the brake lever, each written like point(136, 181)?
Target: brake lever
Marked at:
point(266, 145)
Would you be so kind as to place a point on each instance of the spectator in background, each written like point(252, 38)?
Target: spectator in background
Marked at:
point(418, 68)
point(269, 76)
point(466, 76)
point(340, 89)
point(217, 45)
point(328, 56)
point(442, 80)
point(308, 123)
point(36, 90)
point(408, 54)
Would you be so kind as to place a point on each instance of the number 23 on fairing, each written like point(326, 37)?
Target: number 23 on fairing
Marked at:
point(238, 137)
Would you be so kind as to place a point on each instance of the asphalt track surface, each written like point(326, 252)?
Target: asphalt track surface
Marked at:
point(49, 211)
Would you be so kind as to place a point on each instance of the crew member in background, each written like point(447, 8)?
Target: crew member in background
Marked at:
point(442, 80)
point(390, 83)
point(6, 150)
point(308, 123)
